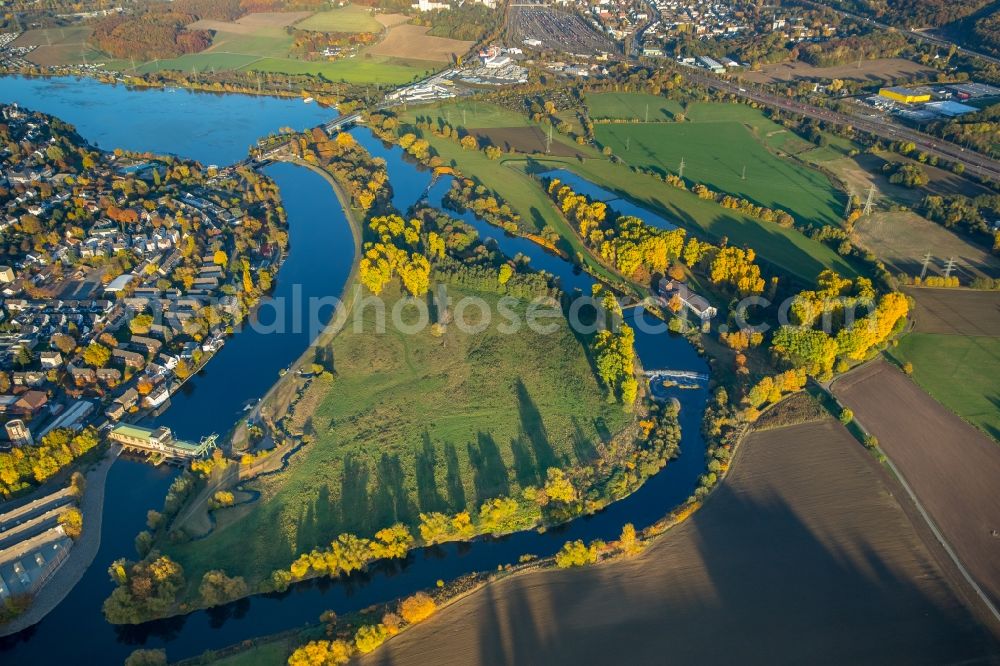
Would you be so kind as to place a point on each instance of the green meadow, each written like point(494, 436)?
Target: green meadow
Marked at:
point(733, 149)
point(417, 423)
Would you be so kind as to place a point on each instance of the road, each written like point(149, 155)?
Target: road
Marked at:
point(975, 163)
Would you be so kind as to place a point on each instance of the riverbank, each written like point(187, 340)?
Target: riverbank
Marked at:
point(81, 555)
point(337, 321)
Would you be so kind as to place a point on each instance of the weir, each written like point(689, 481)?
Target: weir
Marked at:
point(676, 374)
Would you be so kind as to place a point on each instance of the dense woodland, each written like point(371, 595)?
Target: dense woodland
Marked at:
point(469, 21)
point(912, 13)
point(149, 35)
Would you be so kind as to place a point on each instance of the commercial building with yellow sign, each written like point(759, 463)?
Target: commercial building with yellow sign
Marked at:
point(905, 95)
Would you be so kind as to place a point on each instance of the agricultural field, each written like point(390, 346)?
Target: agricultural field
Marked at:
point(882, 69)
point(860, 172)
point(902, 239)
point(951, 467)
point(956, 312)
point(526, 140)
point(955, 352)
point(831, 569)
point(631, 106)
point(58, 46)
point(360, 69)
point(259, 42)
point(352, 18)
point(457, 419)
point(797, 254)
point(468, 114)
point(411, 42)
point(959, 371)
point(724, 151)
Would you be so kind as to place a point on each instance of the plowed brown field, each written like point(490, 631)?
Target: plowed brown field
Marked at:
point(953, 469)
point(803, 556)
point(956, 311)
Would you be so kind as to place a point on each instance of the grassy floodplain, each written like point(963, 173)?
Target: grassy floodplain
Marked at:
point(416, 423)
point(786, 248)
point(728, 147)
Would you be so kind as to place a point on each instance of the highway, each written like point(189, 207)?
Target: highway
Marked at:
point(975, 163)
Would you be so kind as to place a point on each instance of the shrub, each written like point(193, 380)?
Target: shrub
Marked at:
point(321, 652)
point(576, 554)
point(370, 637)
point(417, 608)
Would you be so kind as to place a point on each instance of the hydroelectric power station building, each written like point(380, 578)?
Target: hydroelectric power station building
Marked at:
point(159, 443)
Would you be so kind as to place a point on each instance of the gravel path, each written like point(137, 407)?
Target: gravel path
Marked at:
point(80, 557)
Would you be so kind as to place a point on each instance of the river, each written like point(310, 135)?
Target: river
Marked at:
point(217, 129)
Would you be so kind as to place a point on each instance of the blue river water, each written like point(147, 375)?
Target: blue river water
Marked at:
point(217, 129)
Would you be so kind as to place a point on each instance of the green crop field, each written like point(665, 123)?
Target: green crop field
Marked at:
point(351, 18)
point(728, 157)
point(960, 372)
point(268, 42)
point(415, 423)
point(359, 69)
point(632, 106)
point(786, 248)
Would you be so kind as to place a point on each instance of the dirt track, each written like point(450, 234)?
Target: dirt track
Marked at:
point(802, 556)
point(956, 312)
point(953, 469)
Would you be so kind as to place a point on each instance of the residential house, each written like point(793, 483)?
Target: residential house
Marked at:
point(51, 360)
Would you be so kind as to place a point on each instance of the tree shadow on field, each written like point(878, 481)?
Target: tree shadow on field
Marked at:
point(354, 494)
point(525, 470)
point(489, 472)
point(453, 479)
point(315, 525)
point(390, 501)
point(583, 446)
point(428, 497)
point(533, 428)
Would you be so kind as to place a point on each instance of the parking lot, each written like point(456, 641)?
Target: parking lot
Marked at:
point(556, 30)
